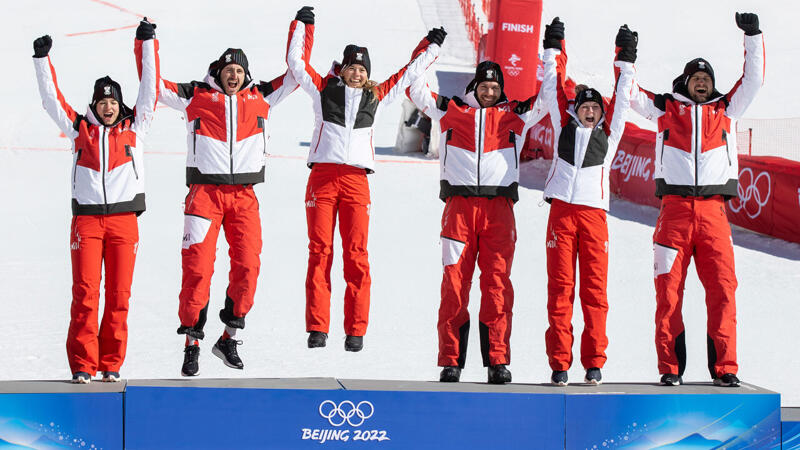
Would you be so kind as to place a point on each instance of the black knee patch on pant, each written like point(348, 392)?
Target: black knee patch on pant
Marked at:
point(712, 356)
point(227, 317)
point(484, 332)
point(463, 340)
point(196, 330)
point(680, 352)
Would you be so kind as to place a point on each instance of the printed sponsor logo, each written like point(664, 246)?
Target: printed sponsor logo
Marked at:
point(519, 27)
point(228, 58)
point(341, 416)
point(107, 90)
point(633, 165)
point(753, 193)
point(552, 243)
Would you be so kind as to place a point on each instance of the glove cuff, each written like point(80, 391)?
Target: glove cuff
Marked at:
point(752, 32)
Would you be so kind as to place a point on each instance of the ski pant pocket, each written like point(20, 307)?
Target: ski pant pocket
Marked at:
point(195, 229)
point(451, 250)
point(664, 258)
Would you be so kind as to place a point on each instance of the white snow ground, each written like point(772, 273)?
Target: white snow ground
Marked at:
point(401, 342)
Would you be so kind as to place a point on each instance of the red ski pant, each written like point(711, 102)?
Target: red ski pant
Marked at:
point(686, 227)
point(209, 207)
point(337, 190)
point(576, 232)
point(483, 229)
point(96, 240)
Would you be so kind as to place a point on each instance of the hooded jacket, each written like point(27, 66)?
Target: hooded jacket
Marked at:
point(582, 157)
point(479, 147)
point(227, 135)
point(345, 116)
point(696, 142)
point(107, 167)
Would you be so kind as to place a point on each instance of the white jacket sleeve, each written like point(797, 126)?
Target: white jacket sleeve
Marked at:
point(301, 41)
point(620, 104)
point(147, 64)
point(52, 98)
point(745, 90)
point(427, 101)
point(421, 58)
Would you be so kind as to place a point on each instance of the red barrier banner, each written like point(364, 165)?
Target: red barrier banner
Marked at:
point(769, 197)
point(632, 171)
point(513, 42)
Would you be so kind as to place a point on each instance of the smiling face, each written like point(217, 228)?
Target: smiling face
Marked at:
point(107, 110)
point(589, 114)
point(700, 86)
point(354, 75)
point(488, 93)
point(232, 78)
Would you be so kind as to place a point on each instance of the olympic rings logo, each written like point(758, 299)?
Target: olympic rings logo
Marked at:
point(346, 411)
point(749, 193)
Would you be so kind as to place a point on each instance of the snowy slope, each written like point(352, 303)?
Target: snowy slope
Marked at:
point(405, 257)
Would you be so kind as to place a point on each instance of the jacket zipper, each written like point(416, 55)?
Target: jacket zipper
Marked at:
point(446, 143)
point(697, 144)
point(514, 141)
point(727, 149)
point(230, 105)
point(129, 153)
point(263, 134)
point(194, 136)
point(105, 198)
point(75, 169)
point(479, 148)
point(664, 138)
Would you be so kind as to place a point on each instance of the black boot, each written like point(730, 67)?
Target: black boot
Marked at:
point(354, 343)
point(190, 364)
point(498, 374)
point(450, 374)
point(316, 339)
point(225, 349)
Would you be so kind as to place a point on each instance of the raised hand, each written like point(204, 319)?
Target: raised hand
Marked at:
point(41, 46)
point(554, 34)
point(305, 15)
point(145, 30)
point(748, 22)
point(626, 40)
point(436, 36)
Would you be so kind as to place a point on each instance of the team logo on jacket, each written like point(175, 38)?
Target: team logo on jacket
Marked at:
point(753, 193)
point(215, 97)
point(682, 109)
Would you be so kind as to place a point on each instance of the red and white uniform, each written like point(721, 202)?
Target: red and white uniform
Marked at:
point(479, 170)
point(577, 187)
point(227, 151)
point(341, 156)
point(696, 169)
point(107, 195)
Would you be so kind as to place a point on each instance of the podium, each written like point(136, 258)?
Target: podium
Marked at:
point(339, 413)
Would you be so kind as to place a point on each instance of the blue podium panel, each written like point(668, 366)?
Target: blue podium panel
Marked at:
point(681, 417)
point(58, 415)
point(790, 428)
point(212, 417)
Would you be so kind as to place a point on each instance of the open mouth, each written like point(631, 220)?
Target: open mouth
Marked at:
point(108, 116)
point(589, 119)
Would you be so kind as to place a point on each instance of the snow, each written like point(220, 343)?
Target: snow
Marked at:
point(401, 342)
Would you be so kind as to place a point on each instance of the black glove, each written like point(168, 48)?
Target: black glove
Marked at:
point(41, 46)
point(554, 34)
point(748, 22)
point(146, 30)
point(436, 36)
point(305, 15)
point(626, 40)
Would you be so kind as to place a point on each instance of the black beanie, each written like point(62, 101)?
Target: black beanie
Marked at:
point(698, 65)
point(228, 57)
point(106, 88)
point(486, 71)
point(588, 95)
point(354, 54)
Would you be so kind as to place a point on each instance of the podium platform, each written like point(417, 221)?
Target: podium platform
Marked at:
point(341, 413)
